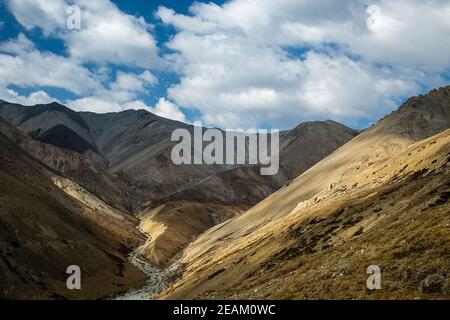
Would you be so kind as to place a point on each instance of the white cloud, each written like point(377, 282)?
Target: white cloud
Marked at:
point(123, 95)
point(242, 93)
point(17, 46)
point(134, 82)
point(23, 65)
point(182, 22)
point(241, 64)
point(120, 95)
point(163, 108)
point(237, 65)
point(166, 109)
point(38, 97)
point(104, 104)
point(418, 29)
point(404, 33)
point(47, 15)
point(107, 34)
point(94, 104)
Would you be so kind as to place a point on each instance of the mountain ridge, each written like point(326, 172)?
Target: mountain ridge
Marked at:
point(135, 146)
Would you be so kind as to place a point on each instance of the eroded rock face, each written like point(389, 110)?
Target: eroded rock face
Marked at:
point(172, 226)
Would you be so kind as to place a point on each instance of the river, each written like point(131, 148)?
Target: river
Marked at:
point(157, 279)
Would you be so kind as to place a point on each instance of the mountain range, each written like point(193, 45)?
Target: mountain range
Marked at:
point(79, 188)
point(108, 172)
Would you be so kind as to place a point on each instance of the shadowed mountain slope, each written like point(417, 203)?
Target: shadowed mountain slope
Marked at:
point(43, 231)
point(88, 169)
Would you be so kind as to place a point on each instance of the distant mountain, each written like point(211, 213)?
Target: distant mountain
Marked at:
point(303, 146)
point(134, 147)
point(380, 199)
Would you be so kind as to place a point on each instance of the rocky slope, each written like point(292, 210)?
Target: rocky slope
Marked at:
point(131, 150)
point(44, 230)
point(381, 199)
point(122, 160)
point(87, 169)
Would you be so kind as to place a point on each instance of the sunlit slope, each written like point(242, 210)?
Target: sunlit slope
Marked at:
point(223, 259)
point(174, 225)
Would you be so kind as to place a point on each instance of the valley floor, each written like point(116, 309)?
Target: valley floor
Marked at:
point(157, 279)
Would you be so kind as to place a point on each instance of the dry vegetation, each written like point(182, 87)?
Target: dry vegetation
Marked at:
point(380, 199)
point(402, 225)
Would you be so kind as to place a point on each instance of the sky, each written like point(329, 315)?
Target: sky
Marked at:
point(237, 64)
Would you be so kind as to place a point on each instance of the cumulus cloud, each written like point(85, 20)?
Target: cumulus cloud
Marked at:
point(242, 93)
point(406, 33)
point(47, 15)
point(107, 35)
point(23, 65)
point(120, 94)
point(379, 30)
point(103, 104)
point(245, 63)
point(37, 97)
point(248, 62)
point(166, 109)
point(134, 82)
point(123, 93)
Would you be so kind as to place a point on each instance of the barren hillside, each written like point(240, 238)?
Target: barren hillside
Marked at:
point(380, 199)
point(44, 231)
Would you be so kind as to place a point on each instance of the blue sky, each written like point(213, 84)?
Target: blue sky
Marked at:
point(11, 29)
point(233, 64)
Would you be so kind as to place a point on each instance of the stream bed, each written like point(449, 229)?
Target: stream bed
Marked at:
point(157, 279)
